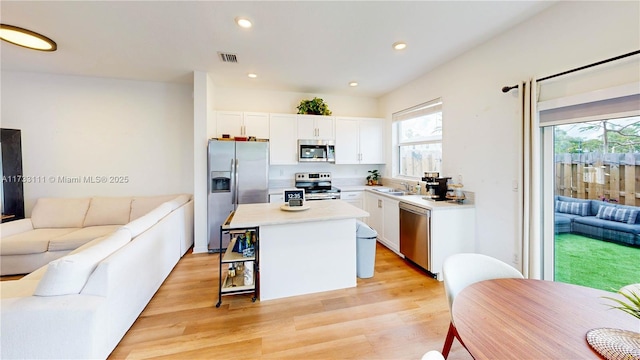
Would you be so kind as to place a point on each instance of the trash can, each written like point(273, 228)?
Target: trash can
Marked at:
point(366, 250)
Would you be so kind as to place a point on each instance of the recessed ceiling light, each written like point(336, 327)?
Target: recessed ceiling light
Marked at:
point(26, 38)
point(399, 45)
point(243, 22)
point(353, 84)
point(252, 75)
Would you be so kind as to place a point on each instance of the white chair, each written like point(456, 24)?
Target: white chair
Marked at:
point(462, 270)
point(432, 355)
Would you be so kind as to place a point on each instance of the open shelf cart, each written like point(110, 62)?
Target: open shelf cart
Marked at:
point(231, 282)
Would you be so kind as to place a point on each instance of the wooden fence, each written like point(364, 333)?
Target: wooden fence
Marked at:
point(614, 177)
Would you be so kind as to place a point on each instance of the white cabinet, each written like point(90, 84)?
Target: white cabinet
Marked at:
point(452, 232)
point(373, 205)
point(316, 127)
point(359, 141)
point(354, 198)
point(283, 140)
point(237, 123)
point(391, 224)
point(384, 217)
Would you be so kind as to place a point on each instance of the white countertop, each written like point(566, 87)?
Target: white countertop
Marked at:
point(427, 204)
point(271, 214)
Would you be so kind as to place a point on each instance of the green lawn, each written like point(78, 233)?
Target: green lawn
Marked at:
point(594, 263)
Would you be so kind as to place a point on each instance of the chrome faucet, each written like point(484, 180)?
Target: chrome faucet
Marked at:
point(406, 186)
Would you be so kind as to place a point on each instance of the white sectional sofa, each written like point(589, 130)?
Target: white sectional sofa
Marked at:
point(80, 305)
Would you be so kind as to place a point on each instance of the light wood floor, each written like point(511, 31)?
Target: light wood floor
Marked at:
point(400, 313)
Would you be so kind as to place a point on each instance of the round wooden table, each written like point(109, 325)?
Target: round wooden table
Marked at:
point(534, 319)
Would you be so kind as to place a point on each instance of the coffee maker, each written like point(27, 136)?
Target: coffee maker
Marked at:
point(436, 186)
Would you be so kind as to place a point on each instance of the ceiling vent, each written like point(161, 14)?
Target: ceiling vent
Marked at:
point(228, 57)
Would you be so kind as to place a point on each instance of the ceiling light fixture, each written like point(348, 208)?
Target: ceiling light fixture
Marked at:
point(252, 75)
point(399, 45)
point(26, 38)
point(353, 84)
point(243, 22)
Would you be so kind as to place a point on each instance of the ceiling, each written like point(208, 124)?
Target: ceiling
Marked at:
point(300, 46)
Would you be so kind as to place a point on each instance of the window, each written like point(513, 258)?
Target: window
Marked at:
point(419, 139)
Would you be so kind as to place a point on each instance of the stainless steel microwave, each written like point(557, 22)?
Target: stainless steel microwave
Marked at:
point(316, 150)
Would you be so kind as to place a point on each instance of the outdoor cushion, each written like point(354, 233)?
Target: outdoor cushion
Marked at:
point(79, 237)
point(572, 207)
point(624, 215)
point(108, 211)
point(31, 242)
point(590, 220)
point(620, 226)
point(59, 213)
point(596, 205)
point(632, 208)
point(567, 216)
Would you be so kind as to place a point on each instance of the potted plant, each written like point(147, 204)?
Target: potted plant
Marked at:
point(632, 307)
point(316, 106)
point(373, 177)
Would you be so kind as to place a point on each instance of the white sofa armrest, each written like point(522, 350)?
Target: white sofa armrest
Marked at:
point(15, 227)
point(70, 326)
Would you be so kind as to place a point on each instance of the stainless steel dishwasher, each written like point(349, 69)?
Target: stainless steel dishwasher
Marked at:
point(415, 234)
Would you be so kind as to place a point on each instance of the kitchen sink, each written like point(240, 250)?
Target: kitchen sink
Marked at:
point(395, 192)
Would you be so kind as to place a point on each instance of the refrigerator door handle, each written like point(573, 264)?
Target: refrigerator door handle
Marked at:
point(233, 181)
point(237, 200)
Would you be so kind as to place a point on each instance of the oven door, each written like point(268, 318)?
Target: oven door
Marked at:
point(322, 196)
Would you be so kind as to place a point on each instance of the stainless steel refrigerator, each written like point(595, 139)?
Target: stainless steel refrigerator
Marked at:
point(238, 173)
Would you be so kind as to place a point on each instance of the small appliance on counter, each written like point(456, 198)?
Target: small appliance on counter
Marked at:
point(436, 186)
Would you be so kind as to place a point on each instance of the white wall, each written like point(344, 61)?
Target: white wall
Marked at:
point(82, 127)
point(482, 130)
point(284, 102)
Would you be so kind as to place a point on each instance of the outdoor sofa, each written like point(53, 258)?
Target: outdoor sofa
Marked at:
point(598, 219)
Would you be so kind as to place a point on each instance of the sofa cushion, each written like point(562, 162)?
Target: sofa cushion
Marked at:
point(596, 205)
point(141, 224)
point(143, 204)
point(572, 207)
point(617, 214)
point(635, 220)
point(59, 213)
point(68, 274)
point(179, 201)
point(622, 227)
point(108, 211)
point(31, 242)
point(15, 227)
point(591, 221)
point(80, 237)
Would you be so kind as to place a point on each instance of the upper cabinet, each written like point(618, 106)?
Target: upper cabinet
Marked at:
point(359, 141)
point(315, 127)
point(283, 143)
point(237, 123)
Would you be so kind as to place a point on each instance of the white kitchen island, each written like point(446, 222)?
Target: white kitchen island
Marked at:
point(303, 252)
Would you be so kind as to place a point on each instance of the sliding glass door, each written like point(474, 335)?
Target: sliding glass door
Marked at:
point(592, 187)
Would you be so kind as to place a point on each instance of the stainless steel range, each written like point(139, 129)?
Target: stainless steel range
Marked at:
point(317, 186)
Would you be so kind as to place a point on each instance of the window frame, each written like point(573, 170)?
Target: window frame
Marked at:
point(424, 109)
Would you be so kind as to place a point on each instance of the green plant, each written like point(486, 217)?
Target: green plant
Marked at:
point(632, 307)
point(373, 177)
point(316, 106)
